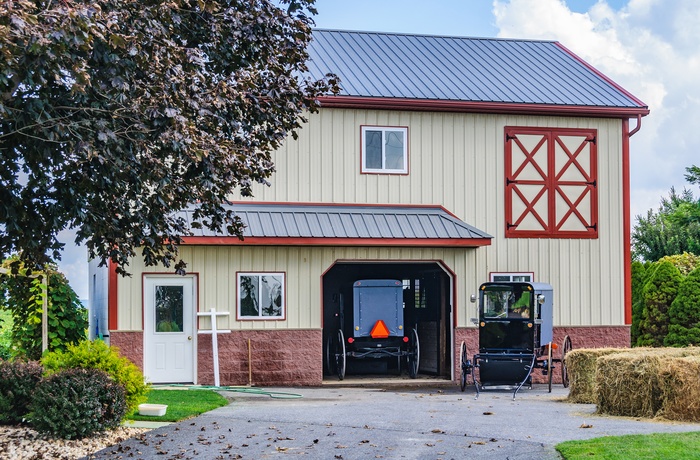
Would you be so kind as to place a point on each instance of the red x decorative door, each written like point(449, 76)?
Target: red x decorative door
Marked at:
point(551, 183)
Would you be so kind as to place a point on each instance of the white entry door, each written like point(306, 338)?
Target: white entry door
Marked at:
point(168, 322)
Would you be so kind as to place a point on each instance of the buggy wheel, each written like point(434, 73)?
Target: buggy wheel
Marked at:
point(549, 365)
point(340, 355)
point(464, 365)
point(413, 354)
point(330, 354)
point(566, 348)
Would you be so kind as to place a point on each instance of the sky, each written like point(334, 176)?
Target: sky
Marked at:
point(649, 47)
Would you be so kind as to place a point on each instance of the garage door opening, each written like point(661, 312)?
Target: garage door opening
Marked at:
point(426, 292)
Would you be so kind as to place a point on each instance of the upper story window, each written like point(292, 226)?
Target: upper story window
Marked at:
point(551, 183)
point(384, 150)
point(512, 277)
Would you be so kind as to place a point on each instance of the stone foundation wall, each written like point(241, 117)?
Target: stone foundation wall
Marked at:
point(130, 345)
point(581, 337)
point(277, 358)
point(295, 357)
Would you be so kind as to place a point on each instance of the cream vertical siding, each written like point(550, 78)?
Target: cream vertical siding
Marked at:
point(457, 161)
point(216, 269)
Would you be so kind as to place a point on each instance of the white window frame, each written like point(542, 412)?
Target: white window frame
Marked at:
point(384, 169)
point(512, 277)
point(261, 316)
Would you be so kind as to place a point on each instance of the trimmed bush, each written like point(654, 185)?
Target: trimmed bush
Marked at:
point(684, 314)
point(640, 274)
point(659, 292)
point(76, 403)
point(17, 383)
point(99, 355)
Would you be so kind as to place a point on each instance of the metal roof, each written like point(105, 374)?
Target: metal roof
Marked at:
point(347, 222)
point(427, 67)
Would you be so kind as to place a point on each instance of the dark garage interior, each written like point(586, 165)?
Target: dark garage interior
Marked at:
point(426, 307)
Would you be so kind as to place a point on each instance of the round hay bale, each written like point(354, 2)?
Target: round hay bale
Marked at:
point(581, 365)
point(628, 382)
point(679, 380)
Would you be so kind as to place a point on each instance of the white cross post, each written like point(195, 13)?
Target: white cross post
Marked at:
point(212, 314)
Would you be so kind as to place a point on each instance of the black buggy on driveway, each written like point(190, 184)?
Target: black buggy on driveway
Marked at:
point(377, 329)
point(515, 321)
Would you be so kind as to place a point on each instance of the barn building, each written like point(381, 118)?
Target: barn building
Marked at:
point(443, 163)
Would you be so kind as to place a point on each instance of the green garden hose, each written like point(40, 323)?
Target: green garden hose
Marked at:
point(249, 390)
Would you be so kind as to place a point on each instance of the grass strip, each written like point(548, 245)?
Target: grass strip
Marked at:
point(182, 404)
point(676, 446)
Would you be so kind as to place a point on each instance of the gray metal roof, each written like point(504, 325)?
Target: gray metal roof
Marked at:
point(269, 220)
point(389, 65)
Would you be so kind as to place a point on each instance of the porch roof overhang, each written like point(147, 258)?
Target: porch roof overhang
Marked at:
point(310, 224)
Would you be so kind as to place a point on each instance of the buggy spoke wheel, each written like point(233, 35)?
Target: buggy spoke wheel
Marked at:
point(549, 365)
point(330, 354)
point(413, 354)
point(464, 365)
point(566, 348)
point(340, 355)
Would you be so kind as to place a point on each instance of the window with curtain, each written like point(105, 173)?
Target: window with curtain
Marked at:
point(384, 150)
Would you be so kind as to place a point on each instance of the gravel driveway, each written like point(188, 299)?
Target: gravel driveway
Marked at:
point(390, 422)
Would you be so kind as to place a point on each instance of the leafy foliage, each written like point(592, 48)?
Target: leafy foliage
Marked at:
point(23, 298)
point(76, 403)
point(684, 313)
point(5, 334)
point(658, 294)
point(640, 274)
point(685, 262)
point(18, 380)
point(98, 355)
point(117, 114)
point(673, 229)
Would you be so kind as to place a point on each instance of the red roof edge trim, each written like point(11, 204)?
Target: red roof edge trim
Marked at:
point(303, 241)
point(431, 105)
point(601, 75)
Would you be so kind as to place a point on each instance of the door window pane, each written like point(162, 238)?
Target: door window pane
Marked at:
point(169, 308)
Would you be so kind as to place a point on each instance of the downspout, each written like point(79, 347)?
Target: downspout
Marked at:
point(637, 128)
point(627, 218)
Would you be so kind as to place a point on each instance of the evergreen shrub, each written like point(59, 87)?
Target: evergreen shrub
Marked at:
point(684, 313)
point(659, 292)
point(17, 383)
point(77, 403)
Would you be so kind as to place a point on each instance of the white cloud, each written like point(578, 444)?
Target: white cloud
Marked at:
point(649, 47)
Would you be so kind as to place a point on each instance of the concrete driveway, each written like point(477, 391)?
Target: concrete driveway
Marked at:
point(392, 422)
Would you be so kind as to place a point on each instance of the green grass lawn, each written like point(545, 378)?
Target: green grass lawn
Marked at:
point(182, 404)
point(676, 446)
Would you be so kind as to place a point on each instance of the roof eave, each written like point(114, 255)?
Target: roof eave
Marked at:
point(431, 105)
point(305, 241)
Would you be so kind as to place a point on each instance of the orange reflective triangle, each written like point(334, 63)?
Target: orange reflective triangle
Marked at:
point(379, 331)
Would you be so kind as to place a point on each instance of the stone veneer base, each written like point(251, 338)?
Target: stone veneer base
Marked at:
point(295, 357)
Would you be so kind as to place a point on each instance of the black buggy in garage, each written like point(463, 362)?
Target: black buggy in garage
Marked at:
point(515, 323)
point(376, 330)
